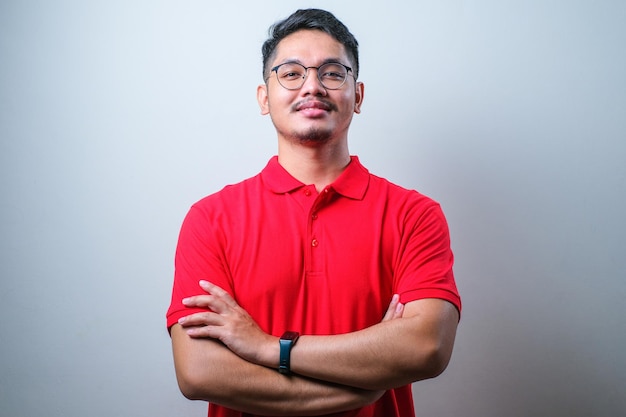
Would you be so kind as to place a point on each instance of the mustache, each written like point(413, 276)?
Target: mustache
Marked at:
point(320, 102)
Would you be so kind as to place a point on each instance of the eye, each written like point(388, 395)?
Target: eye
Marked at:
point(333, 75)
point(332, 72)
point(291, 75)
point(291, 72)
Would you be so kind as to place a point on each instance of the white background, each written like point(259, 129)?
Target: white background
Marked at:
point(116, 116)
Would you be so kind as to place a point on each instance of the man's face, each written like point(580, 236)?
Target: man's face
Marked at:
point(311, 114)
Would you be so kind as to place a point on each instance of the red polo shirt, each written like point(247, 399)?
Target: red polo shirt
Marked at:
point(317, 263)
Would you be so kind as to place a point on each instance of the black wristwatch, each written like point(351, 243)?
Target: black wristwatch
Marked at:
point(287, 340)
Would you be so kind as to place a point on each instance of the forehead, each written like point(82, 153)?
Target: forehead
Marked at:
point(310, 47)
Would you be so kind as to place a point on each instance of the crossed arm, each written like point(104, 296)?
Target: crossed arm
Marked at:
point(223, 356)
point(207, 370)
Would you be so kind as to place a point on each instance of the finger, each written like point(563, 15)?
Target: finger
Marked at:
point(197, 301)
point(203, 332)
point(399, 310)
point(391, 309)
point(218, 292)
point(210, 302)
point(201, 319)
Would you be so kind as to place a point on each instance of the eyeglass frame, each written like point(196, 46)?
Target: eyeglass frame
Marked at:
point(349, 71)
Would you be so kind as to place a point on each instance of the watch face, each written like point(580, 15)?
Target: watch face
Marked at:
point(290, 335)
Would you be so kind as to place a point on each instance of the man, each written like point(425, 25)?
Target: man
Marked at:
point(314, 245)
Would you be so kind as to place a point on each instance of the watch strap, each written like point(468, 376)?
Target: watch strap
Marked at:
point(287, 340)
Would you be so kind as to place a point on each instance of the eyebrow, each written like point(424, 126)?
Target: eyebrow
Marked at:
point(326, 61)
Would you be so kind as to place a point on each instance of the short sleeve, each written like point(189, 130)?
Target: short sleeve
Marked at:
point(424, 266)
point(199, 256)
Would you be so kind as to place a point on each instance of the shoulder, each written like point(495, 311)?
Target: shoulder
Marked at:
point(230, 194)
point(400, 197)
point(220, 208)
point(408, 210)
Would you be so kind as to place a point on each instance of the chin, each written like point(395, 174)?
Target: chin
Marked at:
point(313, 136)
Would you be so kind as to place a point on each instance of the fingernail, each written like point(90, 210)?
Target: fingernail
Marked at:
point(203, 282)
point(185, 300)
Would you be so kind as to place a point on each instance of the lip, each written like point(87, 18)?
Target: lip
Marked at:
point(313, 105)
point(313, 108)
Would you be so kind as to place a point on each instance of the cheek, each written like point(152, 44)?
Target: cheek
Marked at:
point(279, 102)
point(348, 103)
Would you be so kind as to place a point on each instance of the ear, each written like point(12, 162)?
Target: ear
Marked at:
point(359, 91)
point(262, 98)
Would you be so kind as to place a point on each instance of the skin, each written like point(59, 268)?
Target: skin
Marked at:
point(222, 355)
point(208, 370)
point(321, 160)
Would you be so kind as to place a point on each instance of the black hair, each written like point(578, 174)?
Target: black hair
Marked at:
point(310, 19)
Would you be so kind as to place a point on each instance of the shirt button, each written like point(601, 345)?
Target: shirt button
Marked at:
point(314, 216)
point(314, 243)
point(307, 192)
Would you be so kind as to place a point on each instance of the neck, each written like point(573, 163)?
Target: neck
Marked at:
point(317, 165)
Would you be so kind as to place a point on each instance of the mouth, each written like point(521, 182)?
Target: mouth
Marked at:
point(314, 106)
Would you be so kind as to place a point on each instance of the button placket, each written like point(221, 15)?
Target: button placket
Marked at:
point(315, 228)
point(314, 241)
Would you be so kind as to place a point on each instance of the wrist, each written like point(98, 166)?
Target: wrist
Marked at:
point(286, 343)
point(269, 353)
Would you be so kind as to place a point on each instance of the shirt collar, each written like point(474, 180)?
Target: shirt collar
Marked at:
point(352, 182)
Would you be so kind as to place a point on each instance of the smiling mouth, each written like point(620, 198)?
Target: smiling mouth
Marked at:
point(314, 104)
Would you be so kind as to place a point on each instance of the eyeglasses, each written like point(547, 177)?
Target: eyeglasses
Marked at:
point(292, 75)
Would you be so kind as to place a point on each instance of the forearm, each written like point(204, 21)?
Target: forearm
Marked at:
point(387, 355)
point(374, 358)
point(411, 343)
point(207, 370)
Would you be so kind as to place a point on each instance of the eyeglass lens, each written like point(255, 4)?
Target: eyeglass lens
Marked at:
point(292, 75)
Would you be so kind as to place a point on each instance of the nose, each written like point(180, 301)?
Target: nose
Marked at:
point(312, 84)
